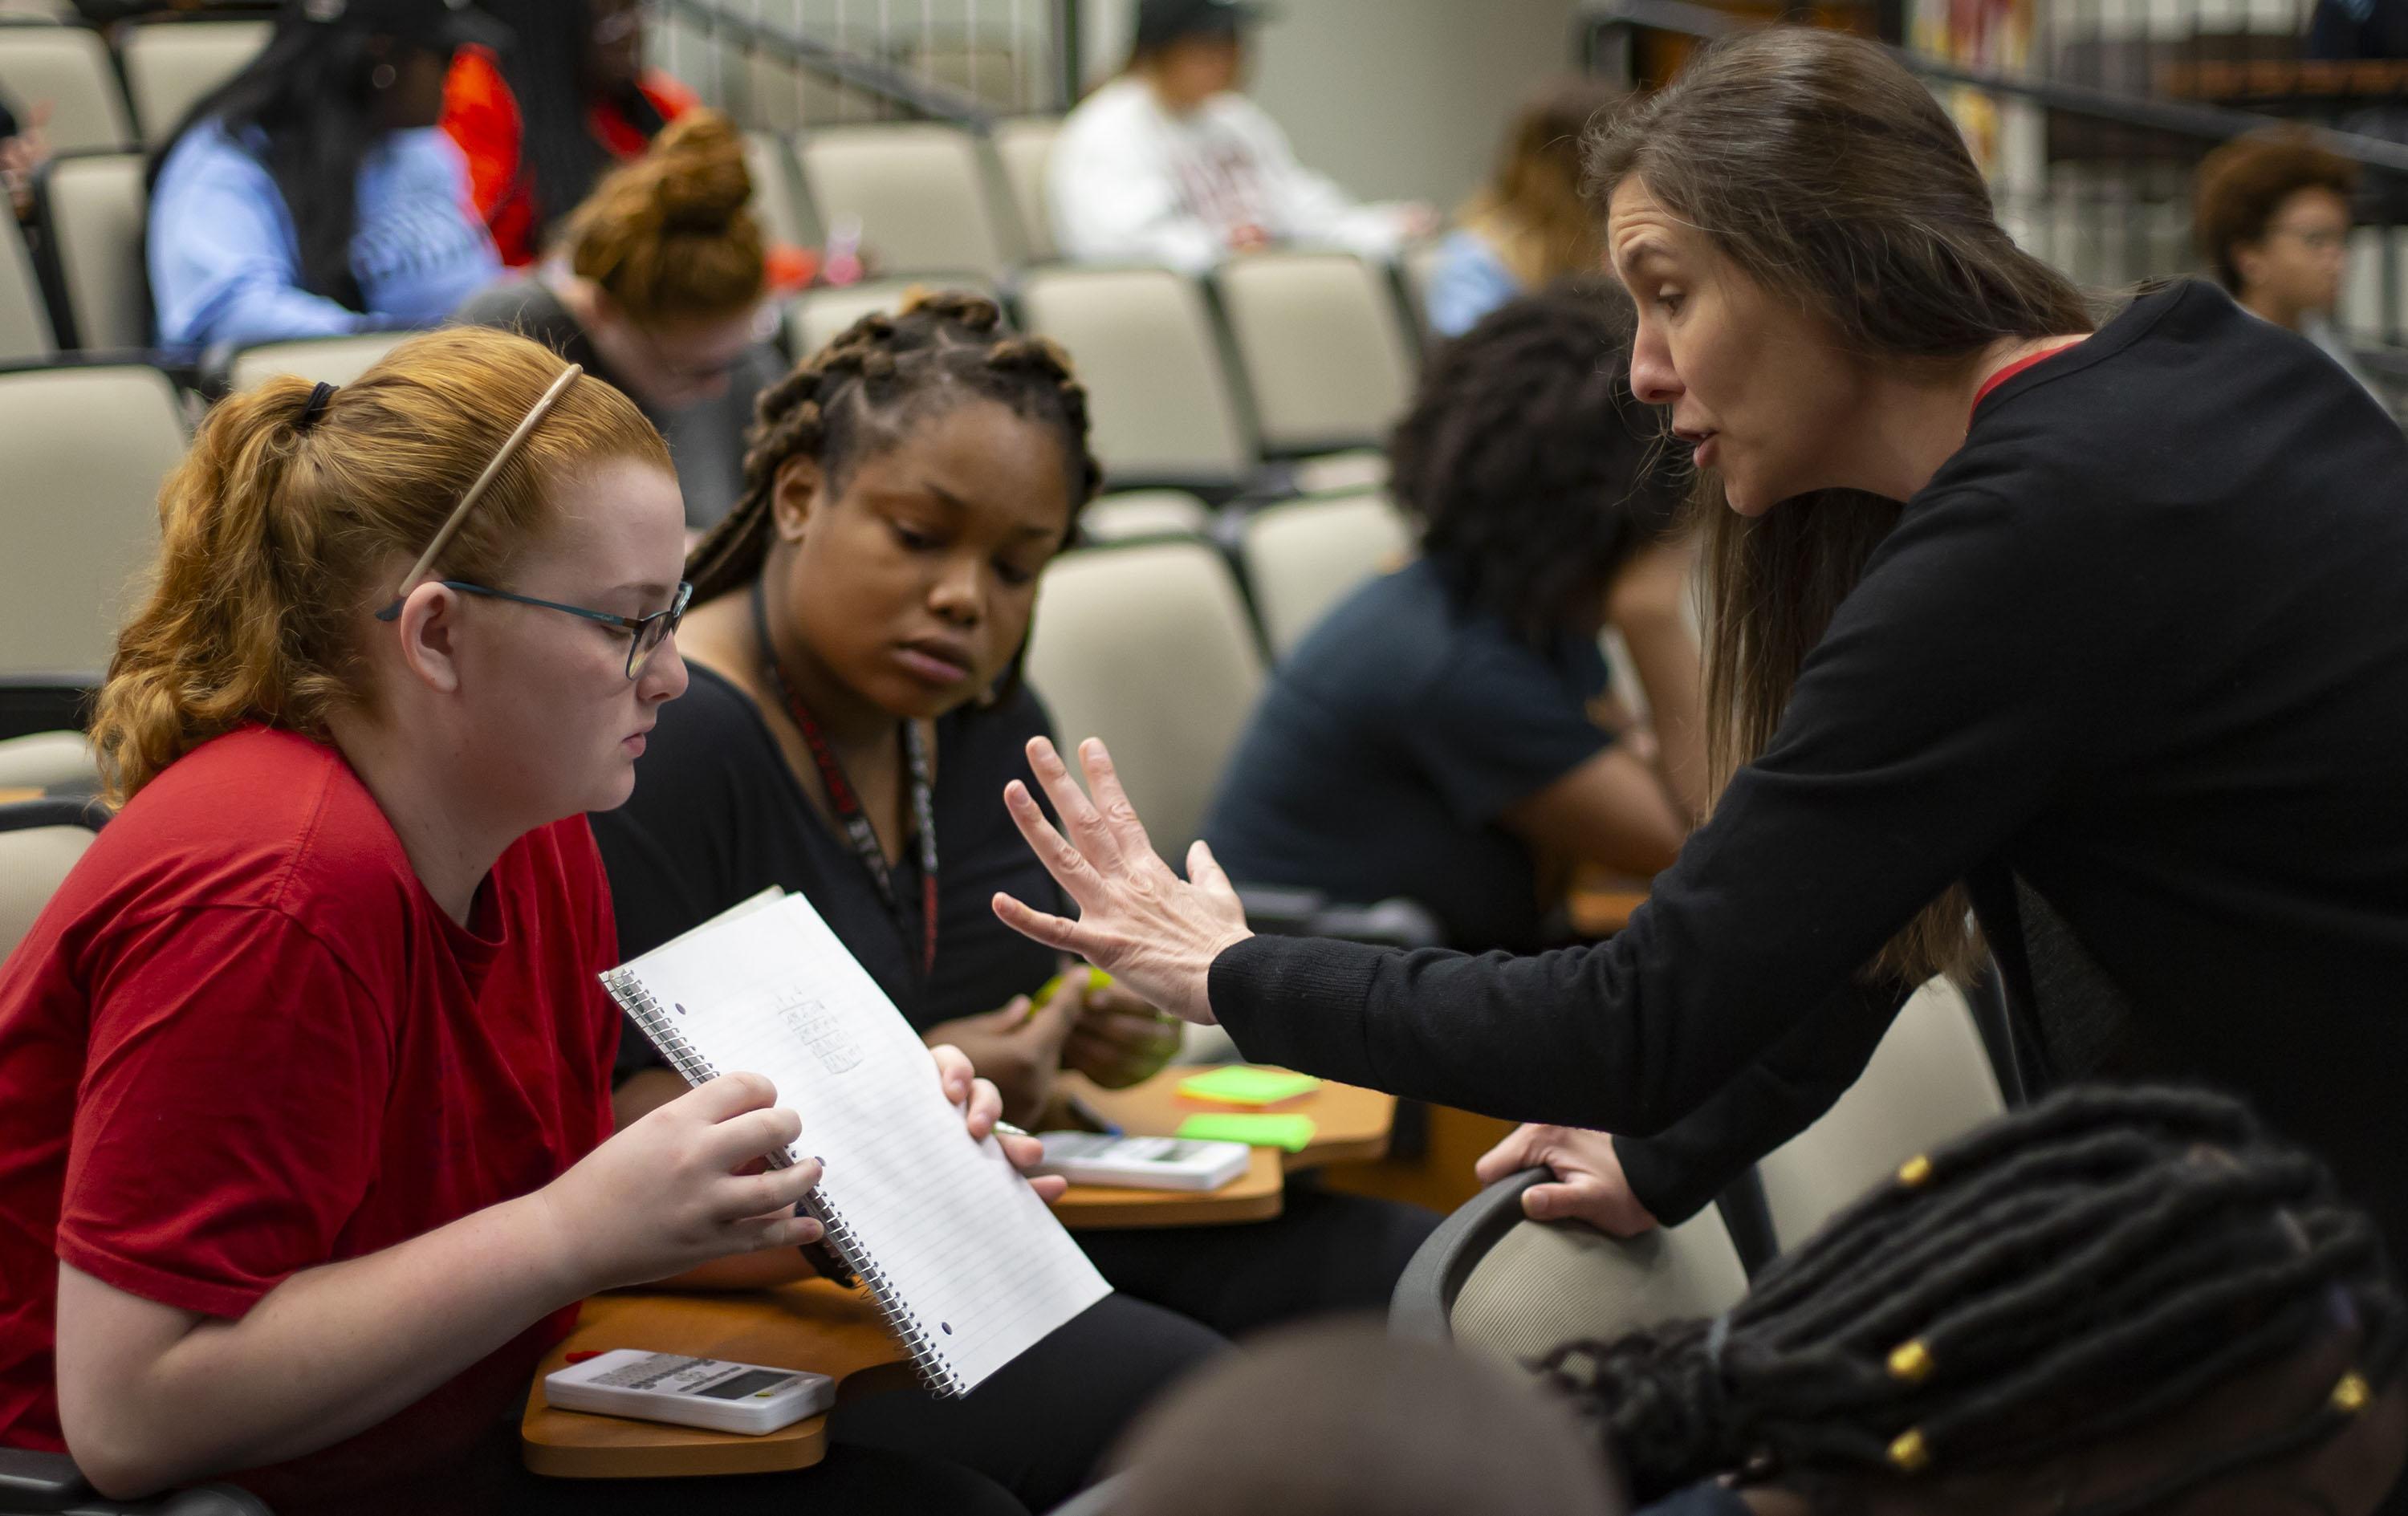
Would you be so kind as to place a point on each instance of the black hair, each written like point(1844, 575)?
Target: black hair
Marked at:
point(308, 93)
point(860, 392)
point(548, 68)
point(1534, 473)
point(2060, 1277)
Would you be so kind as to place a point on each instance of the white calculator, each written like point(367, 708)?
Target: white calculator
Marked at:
point(709, 1392)
point(1142, 1163)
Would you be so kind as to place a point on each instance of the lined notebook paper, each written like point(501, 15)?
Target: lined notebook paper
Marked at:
point(967, 1263)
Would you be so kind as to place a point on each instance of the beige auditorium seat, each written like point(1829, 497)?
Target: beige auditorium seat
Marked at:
point(1928, 1082)
point(68, 68)
point(83, 451)
point(1493, 1281)
point(1023, 145)
point(1149, 648)
point(39, 844)
point(778, 202)
point(170, 65)
point(93, 208)
point(1304, 556)
point(816, 317)
point(1136, 515)
point(1420, 263)
point(923, 193)
point(334, 360)
point(24, 322)
point(1323, 347)
point(1158, 395)
point(48, 761)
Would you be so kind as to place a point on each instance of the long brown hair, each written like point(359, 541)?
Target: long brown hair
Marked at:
point(1827, 174)
point(277, 538)
point(1530, 211)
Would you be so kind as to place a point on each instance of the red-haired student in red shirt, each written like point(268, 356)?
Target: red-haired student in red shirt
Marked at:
point(305, 1110)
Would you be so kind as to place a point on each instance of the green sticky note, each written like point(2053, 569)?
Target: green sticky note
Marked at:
point(1294, 1133)
point(1240, 1084)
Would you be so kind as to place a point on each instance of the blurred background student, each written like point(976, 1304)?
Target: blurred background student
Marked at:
point(1448, 732)
point(659, 288)
point(544, 119)
point(1527, 226)
point(311, 195)
point(2273, 218)
point(1171, 163)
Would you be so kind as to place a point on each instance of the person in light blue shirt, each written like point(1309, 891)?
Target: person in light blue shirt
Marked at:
point(313, 194)
point(1527, 228)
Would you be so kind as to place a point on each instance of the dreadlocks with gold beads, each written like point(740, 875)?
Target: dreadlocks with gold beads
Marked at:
point(2061, 1278)
point(864, 389)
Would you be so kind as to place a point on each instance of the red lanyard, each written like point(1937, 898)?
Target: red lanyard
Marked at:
point(850, 813)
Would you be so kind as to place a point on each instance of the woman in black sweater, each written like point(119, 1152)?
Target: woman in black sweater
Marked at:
point(2113, 627)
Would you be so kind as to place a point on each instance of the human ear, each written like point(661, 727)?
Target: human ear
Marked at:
point(428, 626)
point(799, 494)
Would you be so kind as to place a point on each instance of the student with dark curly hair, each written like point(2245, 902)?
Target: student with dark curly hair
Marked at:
point(2272, 218)
point(1436, 737)
point(2120, 1301)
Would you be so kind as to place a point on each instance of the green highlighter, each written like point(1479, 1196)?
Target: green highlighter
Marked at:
point(1293, 1133)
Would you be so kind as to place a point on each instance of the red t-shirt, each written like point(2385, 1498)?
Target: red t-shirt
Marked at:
point(243, 1040)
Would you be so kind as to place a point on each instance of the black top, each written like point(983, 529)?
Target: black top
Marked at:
point(718, 815)
point(1387, 745)
point(2141, 645)
point(706, 440)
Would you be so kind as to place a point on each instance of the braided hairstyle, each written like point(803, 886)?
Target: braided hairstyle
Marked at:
point(1532, 471)
point(860, 393)
point(2057, 1279)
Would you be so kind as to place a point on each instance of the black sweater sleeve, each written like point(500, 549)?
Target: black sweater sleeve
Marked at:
point(1678, 1172)
point(1939, 713)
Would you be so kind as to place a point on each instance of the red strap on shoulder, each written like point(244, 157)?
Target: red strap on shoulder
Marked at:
point(2018, 367)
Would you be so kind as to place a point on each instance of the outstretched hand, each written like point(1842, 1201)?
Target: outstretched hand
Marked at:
point(1154, 931)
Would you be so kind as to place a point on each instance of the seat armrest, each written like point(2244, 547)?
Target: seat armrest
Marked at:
point(32, 1480)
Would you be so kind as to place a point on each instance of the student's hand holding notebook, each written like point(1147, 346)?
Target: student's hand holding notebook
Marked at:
point(970, 1266)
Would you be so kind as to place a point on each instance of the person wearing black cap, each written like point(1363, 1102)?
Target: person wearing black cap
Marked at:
point(313, 194)
point(1171, 163)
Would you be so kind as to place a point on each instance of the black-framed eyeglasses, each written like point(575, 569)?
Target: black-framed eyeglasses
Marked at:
point(645, 633)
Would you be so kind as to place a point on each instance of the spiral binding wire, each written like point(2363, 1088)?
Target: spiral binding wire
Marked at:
point(927, 1357)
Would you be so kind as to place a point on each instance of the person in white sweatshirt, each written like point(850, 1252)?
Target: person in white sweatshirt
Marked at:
point(1170, 164)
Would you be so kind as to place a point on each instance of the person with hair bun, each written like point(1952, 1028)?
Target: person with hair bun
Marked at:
point(307, 1152)
point(2120, 1302)
point(2088, 626)
point(1438, 736)
point(660, 287)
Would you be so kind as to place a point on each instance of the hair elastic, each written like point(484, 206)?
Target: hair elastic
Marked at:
point(317, 406)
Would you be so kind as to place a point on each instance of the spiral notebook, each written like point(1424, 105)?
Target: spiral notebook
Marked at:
point(968, 1264)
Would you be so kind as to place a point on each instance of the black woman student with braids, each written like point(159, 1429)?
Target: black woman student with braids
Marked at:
point(2120, 1302)
point(855, 710)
